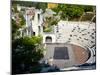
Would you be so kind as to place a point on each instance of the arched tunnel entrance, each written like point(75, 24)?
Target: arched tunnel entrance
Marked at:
point(48, 39)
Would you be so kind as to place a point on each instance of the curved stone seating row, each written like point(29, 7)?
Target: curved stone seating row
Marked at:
point(92, 57)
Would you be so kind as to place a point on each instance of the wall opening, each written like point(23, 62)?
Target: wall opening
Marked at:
point(48, 39)
point(34, 33)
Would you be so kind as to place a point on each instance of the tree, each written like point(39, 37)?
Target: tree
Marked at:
point(26, 52)
point(17, 23)
point(15, 28)
point(72, 11)
point(38, 5)
point(22, 20)
point(88, 8)
point(50, 21)
point(14, 8)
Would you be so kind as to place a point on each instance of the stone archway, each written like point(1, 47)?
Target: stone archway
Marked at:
point(48, 39)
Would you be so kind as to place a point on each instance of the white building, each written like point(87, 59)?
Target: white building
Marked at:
point(34, 21)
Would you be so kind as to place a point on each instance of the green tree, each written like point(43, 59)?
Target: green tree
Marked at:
point(72, 11)
point(22, 20)
point(14, 8)
point(38, 5)
point(27, 51)
point(50, 21)
point(88, 8)
point(15, 28)
point(16, 24)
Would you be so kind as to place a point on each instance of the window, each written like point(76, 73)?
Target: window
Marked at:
point(38, 17)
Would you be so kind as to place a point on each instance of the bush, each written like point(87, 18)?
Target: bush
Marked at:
point(48, 29)
point(26, 51)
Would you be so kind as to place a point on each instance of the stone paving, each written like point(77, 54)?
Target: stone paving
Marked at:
point(61, 63)
point(75, 55)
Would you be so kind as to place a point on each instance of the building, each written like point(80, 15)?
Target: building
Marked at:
point(34, 21)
